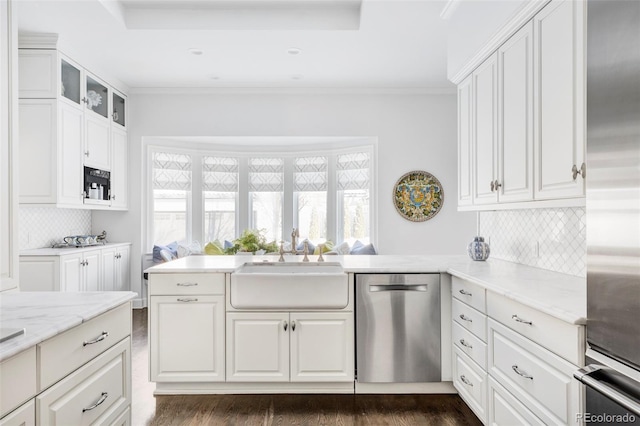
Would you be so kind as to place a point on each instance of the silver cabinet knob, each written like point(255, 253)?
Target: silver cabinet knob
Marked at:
point(497, 185)
point(492, 186)
point(286, 326)
point(86, 153)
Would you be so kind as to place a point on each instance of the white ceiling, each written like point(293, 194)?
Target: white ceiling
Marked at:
point(382, 44)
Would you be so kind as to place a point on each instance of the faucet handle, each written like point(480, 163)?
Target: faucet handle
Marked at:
point(321, 248)
point(305, 251)
point(281, 251)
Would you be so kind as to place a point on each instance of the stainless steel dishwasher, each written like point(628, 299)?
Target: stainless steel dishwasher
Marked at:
point(398, 328)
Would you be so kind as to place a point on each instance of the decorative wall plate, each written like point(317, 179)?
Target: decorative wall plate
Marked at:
point(418, 196)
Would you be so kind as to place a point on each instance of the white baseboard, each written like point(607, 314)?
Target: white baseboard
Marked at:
point(400, 388)
point(252, 388)
point(139, 303)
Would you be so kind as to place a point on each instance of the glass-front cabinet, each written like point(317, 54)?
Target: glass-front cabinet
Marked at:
point(97, 97)
point(119, 109)
point(71, 81)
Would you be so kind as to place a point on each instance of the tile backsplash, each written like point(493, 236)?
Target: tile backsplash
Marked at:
point(553, 239)
point(44, 226)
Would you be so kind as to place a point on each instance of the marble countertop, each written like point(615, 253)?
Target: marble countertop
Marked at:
point(559, 295)
point(48, 251)
point(46, 314)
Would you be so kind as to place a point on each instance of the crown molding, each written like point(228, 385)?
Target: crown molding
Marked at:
point(37, 40)
point(290, 91)
point(524, 15)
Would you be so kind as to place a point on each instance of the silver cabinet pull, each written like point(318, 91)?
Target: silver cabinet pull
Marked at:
point(583, 170)
point(186, 284)
point(286, 326)
point(293, 326)
point(497, 185)
point(465, 344)
point(492, 186)
point(463, 318)
point(518, 319)
point(100, 338)
point(466, 293)
point(464, 380)
point(188, 300)
point(398, 287)
point(103, 398)
point(86, 153)
point(521, 373)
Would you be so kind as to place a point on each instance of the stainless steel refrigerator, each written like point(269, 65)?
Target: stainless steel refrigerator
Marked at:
point(612, 375)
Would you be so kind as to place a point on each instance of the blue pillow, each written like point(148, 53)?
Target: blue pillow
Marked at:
point(368, 249)
point(310, 246)
point(171, 248)
point(227, 244)
point(356, 246)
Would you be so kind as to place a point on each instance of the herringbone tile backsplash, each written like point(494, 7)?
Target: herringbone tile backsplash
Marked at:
point(553, 239)
point(45, 226)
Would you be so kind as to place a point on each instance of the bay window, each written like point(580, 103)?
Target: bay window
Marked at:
point(206, 193)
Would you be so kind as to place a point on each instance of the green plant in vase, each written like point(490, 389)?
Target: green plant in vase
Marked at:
point(251, 241)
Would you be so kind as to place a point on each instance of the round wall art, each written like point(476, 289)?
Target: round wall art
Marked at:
point(418, 196)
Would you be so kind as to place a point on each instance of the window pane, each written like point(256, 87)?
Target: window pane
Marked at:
point(356, 215)
point(266, 213)
point(312, 215)
point(219, 216)
point(169, 215)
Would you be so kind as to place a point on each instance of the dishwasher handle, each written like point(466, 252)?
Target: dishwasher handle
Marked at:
point(398, 287)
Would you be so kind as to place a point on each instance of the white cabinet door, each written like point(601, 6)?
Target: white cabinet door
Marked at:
point(91, 271)
point(122, 267)
point(71, 272)
point(258, 347)
point(485, 125)
point(559, 102)
point(69, 160)
point(515, 136)
point(38, 74)
point(119, 167)
point(37, 151)
point(187, 338)
point(97, 153)
point(25, 415)
point(322, 347)
point(108, 261)
point(465, 141)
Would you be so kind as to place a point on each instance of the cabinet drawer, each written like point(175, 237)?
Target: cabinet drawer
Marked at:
point(123, 419)
point(504, 409)
point(561, 338)
point(533, 374)
point(171, 284)
point(25, 415)
point(65, 352)
point(18, 383)
point(468, 343)
point(469, 318)
point(471, 383)
point(470, 293)
point(94, 394)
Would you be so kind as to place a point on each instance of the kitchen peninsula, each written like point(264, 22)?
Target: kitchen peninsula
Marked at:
point(496, 322)
point(72, 364)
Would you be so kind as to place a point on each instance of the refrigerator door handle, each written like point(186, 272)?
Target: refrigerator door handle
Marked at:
point(585, 376)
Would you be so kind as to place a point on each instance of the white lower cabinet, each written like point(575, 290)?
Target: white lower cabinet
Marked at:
point(296, 347)
point(96, 269)
point(505, 409)
point(187, 338)
point(96, 393)
point(471, 382)
point(25, 415)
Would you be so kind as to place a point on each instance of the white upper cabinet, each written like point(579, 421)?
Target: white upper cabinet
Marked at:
point(465, 142)
point(515, 117)
point(523, 121)
point(71, 122)
point(485, 129)
point(559, 81)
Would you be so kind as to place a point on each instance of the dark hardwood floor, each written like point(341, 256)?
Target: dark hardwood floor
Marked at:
point(400, 410)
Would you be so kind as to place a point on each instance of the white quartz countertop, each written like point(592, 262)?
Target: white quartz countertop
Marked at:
point(559, 295)
point(46, 314)
point(48, 251)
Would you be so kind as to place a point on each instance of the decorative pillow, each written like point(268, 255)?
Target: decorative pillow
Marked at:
point(356, 246)
point(340, 249)
point(300, 246)
point(227, 244)
point(368, 249)
point(171, 248)
point(213, 248)
point(326, 247)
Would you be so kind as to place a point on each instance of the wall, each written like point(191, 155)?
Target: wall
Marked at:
point(45, 226)
point(553, 239)
point(472, 25)
point(413, 131)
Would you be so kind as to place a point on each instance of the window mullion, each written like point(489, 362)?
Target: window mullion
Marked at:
point(242, 212)
point(289, 215)
point(332, 196)
point(196, 228)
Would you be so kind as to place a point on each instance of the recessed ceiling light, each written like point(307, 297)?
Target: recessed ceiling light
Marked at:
point(294, 51)
point(297, 77)
point(195, 51)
